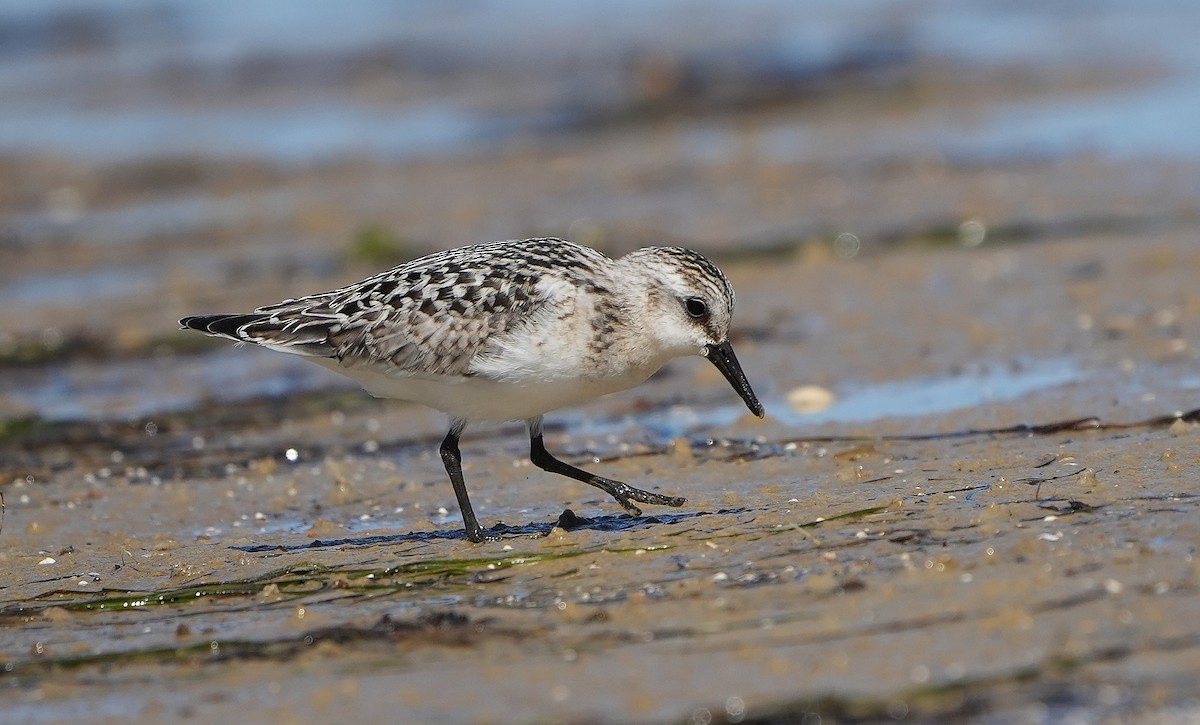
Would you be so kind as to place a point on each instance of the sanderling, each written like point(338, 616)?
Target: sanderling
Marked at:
point(508, 331)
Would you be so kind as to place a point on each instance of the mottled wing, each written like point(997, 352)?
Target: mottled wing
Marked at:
point(428, 317)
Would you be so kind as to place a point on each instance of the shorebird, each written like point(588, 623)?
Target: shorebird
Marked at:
point(509, 331)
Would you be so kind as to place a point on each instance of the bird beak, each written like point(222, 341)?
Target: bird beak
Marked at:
point(722, 356)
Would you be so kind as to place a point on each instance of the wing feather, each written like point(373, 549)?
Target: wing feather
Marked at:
point(431, 316)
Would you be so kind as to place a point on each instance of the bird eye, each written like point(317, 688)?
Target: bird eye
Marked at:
point(696, 307)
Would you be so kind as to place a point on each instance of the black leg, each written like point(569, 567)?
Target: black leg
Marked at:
point(622, 492)
point(453, 462)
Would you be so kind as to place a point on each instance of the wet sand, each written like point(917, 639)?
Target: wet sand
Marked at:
point(974, 496)
point(914, 564)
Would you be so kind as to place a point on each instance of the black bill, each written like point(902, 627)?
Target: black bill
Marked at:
point(722, 356)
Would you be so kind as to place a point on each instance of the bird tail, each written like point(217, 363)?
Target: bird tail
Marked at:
point(265, 329)
point(230, 326)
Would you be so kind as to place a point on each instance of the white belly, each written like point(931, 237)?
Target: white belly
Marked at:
point(481, 399)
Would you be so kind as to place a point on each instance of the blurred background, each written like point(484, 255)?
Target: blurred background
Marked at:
point(167, 157)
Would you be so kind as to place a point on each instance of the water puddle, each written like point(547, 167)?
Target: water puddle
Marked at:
point(327, 132)
point(929, 396)
point(1143, 121)
point(158, 217)
point(912, 398)
point(138, 388)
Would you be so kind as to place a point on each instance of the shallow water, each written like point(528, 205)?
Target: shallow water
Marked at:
point(863, 403)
